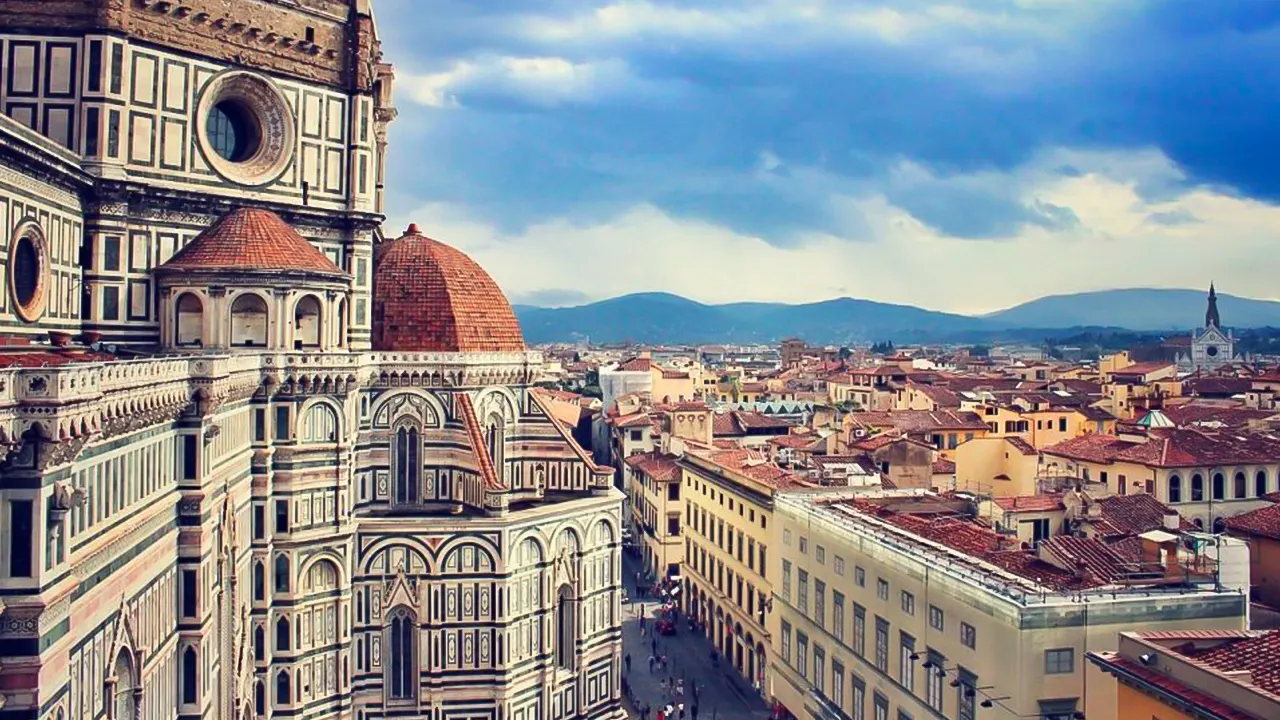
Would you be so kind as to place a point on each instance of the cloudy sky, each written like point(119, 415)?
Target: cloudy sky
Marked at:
point(962, 155)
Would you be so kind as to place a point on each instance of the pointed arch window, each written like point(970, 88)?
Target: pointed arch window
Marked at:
point(283, 694)
point(1219, 487)
point(402, 665)
point(282, 574)
point(496, 440)
point(408, 469)
point(1260, 483)
point(259, 581)
point(1197, 488)
point(282, 634)
point(259, 698)
point(190, 675)
point(126, 694)
point(259, 644)
point(1239, 488)
point(566, 629)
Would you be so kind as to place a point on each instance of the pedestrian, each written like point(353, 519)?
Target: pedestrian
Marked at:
point(627, 661)
point(680, 710)
point(664, 662)
point(693, 712)
point(652, 661)
point(653, 644)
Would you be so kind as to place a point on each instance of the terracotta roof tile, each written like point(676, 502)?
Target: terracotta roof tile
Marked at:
point(1264, 522)
point(1127, 515)
point(251, 239)
point(1165, 683)
point(1260, 656)
point(1030, 503)
point(51, 358)
point(661, 468)
point(1021, 445)
point(429, 297)
point(484, 463)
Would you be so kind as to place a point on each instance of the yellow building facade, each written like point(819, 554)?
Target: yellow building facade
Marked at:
point(872, 621)
point(726, 583)
point(657, 512)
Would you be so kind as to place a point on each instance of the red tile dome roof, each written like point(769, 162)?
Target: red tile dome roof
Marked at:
point(251, 239)
point(429, 297)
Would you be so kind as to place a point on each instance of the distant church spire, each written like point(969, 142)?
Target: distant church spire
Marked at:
point(1211, 319)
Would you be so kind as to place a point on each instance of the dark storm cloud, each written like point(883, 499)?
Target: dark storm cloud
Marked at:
point(679, 109)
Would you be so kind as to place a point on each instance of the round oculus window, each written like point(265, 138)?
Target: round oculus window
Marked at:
point(1211, 351)
point(246, 128)
point(28, 269)
point(234, 132)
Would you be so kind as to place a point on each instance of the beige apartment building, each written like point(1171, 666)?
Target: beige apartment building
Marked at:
point(729, 507)
point(657, 511)
point(895, 604)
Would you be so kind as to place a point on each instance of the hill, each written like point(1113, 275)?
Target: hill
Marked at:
point(667, 318)
point(661, 317)
point(1138, 309)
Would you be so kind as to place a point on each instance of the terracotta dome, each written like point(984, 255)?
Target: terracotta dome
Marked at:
point(248, 239)
point(429, 297)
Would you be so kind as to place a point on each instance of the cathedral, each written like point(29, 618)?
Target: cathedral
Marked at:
point(258, 460)
point(1211, 347)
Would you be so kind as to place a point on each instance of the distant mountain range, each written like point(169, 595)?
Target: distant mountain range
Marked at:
point(666, 318)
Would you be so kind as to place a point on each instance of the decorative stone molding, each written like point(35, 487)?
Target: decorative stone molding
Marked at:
point(275, 133)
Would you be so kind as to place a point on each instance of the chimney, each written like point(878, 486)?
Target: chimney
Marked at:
point(1083, 573)
point(1171, 521)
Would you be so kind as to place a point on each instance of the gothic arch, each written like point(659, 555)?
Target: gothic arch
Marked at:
point(498, 400)
point(468, 557)
point(426, 407)
point(603, 534)
point(321, 574)
point(322, 421)
point(378, 558)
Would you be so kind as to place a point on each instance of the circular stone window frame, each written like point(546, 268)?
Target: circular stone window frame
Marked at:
point(33, 310)
point(277, 127)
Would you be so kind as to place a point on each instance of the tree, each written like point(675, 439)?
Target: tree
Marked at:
point(845, 353)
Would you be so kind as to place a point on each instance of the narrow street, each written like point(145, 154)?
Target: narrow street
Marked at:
point(721, 694)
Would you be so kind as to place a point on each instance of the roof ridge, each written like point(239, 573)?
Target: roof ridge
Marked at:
point(484, 462)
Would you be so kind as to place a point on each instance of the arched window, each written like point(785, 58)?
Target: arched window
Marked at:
point(408, 470)
point(1260, 483)
point(1241, 489)
point(259, 581)
point(497, 438)
point(125, 700)
point(402, 666)
point(1219, 487)
point(1175, 489)
point(282, 688)
point(249, 321)
point(1197, 488)
point(566, 630)
point(320, 424)
point(190, 675)
point(259, 644)
point(189, 317)
point(259, 698)
point(342, 323)
point(306, 323)
point(282, 634)
point(282, 574)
